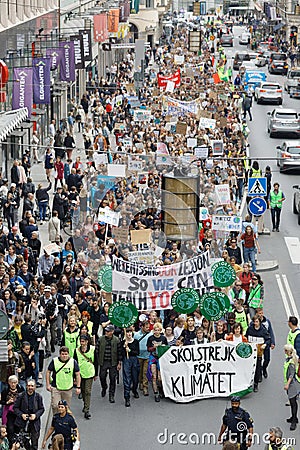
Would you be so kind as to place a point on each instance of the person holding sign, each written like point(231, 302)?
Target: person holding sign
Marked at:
point(131, 367)
point(238, 425)
point(155, 340)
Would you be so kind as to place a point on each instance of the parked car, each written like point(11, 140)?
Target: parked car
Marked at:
point(244, 38)
point(296, 201)
point(226, 39)
point(283, 121)
point(278, 63)
point(288, 155)
point(293, 77)
point(268, 92)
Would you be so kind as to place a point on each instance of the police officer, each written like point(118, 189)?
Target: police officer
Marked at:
point(275, 440)
point(238, 425)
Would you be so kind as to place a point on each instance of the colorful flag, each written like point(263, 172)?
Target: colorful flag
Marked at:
point(113, 20)
point(67, 62)
point(22, 89)
point(162, 81)
point(41, 80)
point(216, 78)
point(55, 55)
point(100, 28)
point(78, 51)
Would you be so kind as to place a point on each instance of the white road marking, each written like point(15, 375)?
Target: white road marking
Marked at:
point(293, 246)
point(290, 294)
point(283, 296)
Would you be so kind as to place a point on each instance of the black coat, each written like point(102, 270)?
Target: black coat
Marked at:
point(21, 407)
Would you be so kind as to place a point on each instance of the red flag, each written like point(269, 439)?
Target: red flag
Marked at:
point(216, 78)
point(100, 28)
point(162, 81)
point(113, 20)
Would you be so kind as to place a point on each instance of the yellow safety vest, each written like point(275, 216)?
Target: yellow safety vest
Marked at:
point(64, 374)
point(291, 337)
point(285, 370)
point(86, 362)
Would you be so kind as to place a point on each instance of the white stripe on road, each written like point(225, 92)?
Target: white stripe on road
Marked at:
point(283, 296)
point(293, 246)
point(290, 294)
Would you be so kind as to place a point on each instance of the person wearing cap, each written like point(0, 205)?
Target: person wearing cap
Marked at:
point(237, 424)
point(276, 440)
point(109, 357)
point(63, 369)
point(63, 423)
point(87, 359)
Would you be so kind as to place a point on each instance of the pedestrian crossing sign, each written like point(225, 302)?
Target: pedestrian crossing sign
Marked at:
point(257, 187)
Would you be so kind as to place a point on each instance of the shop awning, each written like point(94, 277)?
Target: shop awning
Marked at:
point(11, 120)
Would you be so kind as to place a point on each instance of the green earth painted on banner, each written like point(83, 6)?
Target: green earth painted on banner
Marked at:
point(185, 300)
point(223, 274)
point(211, 306)
point(105, 278)
point(224, 299)
point(244, 350)
point(122, 314)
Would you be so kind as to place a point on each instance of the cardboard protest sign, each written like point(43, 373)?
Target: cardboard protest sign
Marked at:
point(151, 287)
point(142, 256)
point(140, 236)
point(181, 128)
point(100, 158)
point(223, 122)
point(217, 147)
point(205, 114)
point(116, 170)
point(201, 152)
point(218, 369)
point(134, 164)
point(108, 216)
point(120, 234)
point(191, 142)
point(227, 223)
point(222, 194)
point(207, 123)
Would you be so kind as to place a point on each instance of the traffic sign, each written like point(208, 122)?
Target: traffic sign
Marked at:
point(257, 186)
point(257, 206)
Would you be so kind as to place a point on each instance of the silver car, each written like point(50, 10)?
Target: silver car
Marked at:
point(288, 155)
point(268, 92)
point(292, 79)
point(283, 121)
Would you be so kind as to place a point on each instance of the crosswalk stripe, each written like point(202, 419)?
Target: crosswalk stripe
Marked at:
point(293, 246)
point(283, 296)
point(290, 294)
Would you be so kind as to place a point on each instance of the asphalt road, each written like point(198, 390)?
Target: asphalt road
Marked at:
point(113, 426)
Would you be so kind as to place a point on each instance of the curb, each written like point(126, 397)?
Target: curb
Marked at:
point(265, 266)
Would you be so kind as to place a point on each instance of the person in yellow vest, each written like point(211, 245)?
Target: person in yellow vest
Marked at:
point(87, 360)
point(276, 441)
point(276, 198)
point(291, 382)
point(293, 337)
point(70, 335)
point(241, 315)
point(60, 378)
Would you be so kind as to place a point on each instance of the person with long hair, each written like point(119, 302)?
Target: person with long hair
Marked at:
point(250, 246)
point(291, 382)
point(154, 341)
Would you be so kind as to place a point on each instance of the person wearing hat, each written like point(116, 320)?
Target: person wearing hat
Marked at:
point(87, 360)
point(237, 424)
point(63, 423)
point(109, 357)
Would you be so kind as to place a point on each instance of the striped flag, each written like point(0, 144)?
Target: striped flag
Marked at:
point(100, 28)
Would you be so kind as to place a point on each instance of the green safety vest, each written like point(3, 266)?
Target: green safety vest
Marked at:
point(256, 173)
point(64, 374)
point(274, 199)
point(254, 300)
point(285, 370)
point(292, 336)
point(241, 317)
point(71, 341)
point(86, 362)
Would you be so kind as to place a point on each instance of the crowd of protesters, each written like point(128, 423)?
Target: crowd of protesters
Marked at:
point(51, 294)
